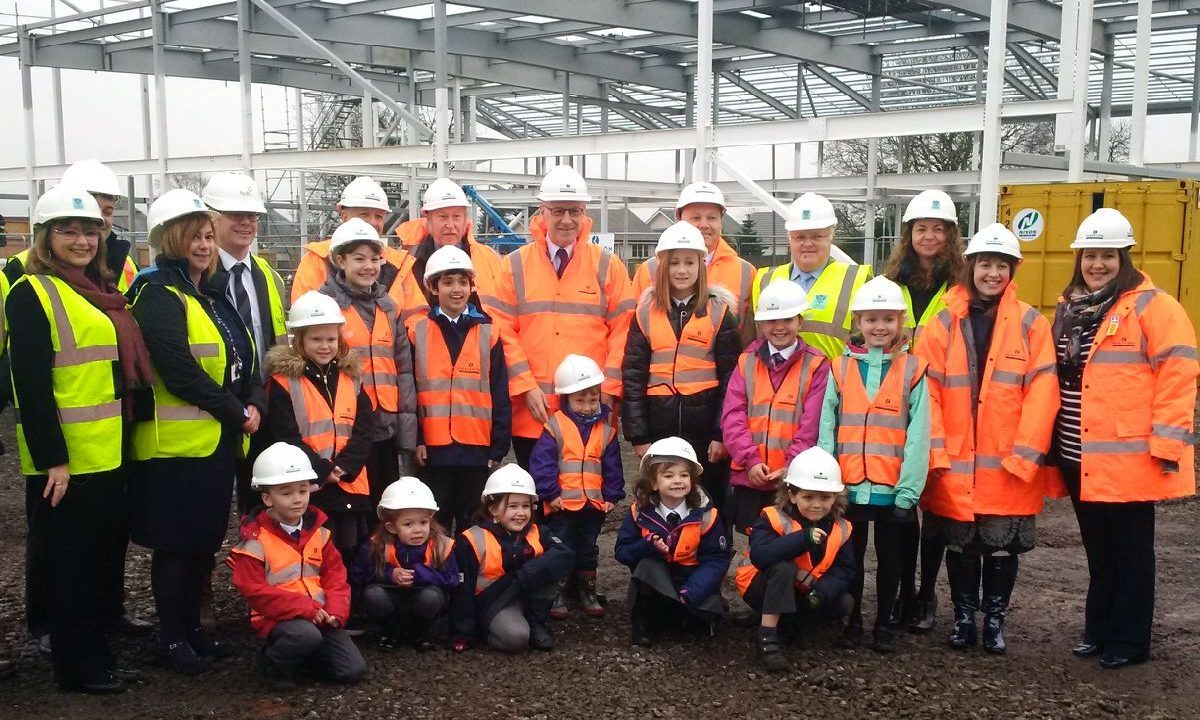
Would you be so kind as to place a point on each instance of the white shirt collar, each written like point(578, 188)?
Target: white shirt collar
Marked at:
point(682, 509)
point(228, 261)
point(787, 351)
point(708, 258)
point(451, 319)
point(289, 529)
point(553, 249)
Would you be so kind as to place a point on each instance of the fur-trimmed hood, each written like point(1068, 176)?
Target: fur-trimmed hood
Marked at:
point(284, 360)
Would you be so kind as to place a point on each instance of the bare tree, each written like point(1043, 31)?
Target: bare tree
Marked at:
point(943, 152)
point(1118, 144)
point(193, 181)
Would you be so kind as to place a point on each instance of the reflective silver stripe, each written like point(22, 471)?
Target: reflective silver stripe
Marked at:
point(379, 378)
point(989, 462)
point(286, 574)
point(407, 313)
point(662, 356)
point(651, 267)
point(1144, 299)
point(1182, 352)
point(602, 283)
point(686, 376)
point(745, 289)
point(586, 466)
point(937, 443)
point(309, 429)
point(546, 387)
point(518, 368)
point(563, 308)
point(205, 350)
point(1008, 378)
point(69, 353)
point(79, 356)
point(692, 351)
point(1117, 447)
point(937, 375)
point(843, 304)
point(445, 384)
point(500, 306)
point(442, 411)
point(479, 536)
point(826, 328)
point(962, 467)
point(89, 413)
point(945, 319)
point(880, 449)
point(181, 412)
point(957, 381)
point(623, 307)
point(1031, 375)
point(612, 373)
point(642, 315)
point(1027, 453)
point(1117, 357)
point(518, 276)
point(1171, 432)
point(892, 422)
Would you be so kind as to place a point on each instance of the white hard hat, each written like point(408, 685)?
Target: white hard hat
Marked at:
point(443, 193)
point(407, 493)
point(281, 464)
point(509, 479)
point(93, 176)
point(680, 236)
point(575, 373)
point(810, 211)
point(66, 201)
point(932, 205)
point(780, 300)
point(671, 449)
point(994, 238)
point(172, 205)
point(878, 293)
point(815, 470)
point(447, 258)
point(700, 192)
point(562, 183)
point(364, 192)
point(354, 230)
point(1105, 228)
point(314, 308)
point(233, 192)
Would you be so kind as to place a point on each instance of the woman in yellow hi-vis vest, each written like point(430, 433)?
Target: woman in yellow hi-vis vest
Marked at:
point(79, 367)
point(206, 397)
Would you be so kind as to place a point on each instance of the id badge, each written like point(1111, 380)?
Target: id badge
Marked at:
point(235, 372)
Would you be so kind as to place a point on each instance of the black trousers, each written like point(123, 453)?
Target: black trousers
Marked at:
point(1118, 539)
point(774, 592)
point(76, 546)
point(579, 529)
point(456, 489)
point(522, 449)
point(891, 540)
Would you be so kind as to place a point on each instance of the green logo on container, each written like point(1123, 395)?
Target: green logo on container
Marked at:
point(1028, 224)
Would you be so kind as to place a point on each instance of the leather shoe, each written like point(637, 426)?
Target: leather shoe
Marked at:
point(105, 684)
point(129, 624)
point(1086, 648)
point(127, 675)
point(1111, 661)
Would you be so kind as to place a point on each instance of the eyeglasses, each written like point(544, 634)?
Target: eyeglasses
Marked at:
point(72, 234)
point(558, 213)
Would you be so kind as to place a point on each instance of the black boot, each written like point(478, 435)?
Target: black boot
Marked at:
point(770, 654)
point(999, 576)
point(924, 615)
point(963, 572)
point(537, 614)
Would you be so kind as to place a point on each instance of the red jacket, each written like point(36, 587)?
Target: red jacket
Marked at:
point(275, 604)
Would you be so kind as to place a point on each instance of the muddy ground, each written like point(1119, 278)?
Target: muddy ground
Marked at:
point(594, 672)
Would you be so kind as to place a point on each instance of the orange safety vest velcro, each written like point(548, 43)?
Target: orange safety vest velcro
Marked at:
point(806, 573)
point(687, 536)
point(377, 349)
point(491, 557)
point(871, 433)
point(685, 365)
point(289, 568)
point(774, 415)
point(454, 400)
point(326, 429)
point(437, 551)
point(579, 464)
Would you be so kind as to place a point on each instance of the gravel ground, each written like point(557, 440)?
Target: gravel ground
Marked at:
point(697, 679)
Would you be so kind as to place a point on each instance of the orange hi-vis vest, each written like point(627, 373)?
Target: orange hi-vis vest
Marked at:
point(726, 269)
point(454, 400)
point(774, 415)
point(687, 536)
point(437, 551)
point(378, 354)
point(491, 557)
point(806, 573)
point(326, 429)
point(578, 462)
point(871, 433)
point(998, 419)
point(685, 365)
point(287, 568)
point(315, 266)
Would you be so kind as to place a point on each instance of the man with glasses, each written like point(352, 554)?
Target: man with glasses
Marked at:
point(829, 283)
point(559, 295)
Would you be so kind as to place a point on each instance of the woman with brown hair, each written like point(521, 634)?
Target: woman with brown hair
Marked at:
point(206, 397)
point(78, 361)
point(925, 263)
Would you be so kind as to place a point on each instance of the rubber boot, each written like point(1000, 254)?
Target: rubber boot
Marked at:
point(586, 581)
point(770, 654)
point(963, 572)
point(537, 612)
point(559, 610)
point(999, 576)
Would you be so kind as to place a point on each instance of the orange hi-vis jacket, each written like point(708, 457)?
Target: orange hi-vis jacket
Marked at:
point(1138, 400)
point(688, 537)
point(871, 433)
point(490, 556)
point(287, 568)
point(806, 574)
point(454, 399)
point(579, 471)
point(996, 436)
point(484, 259)
point(315, 266)
point(685, 365)
point(773, 416)
point(376, 346)
point(326, 429)
point(726, 269)
point(585, 312)
point(438, 550)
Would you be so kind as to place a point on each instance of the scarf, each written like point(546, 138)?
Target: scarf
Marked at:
point(136, 367)
point(1080, 317)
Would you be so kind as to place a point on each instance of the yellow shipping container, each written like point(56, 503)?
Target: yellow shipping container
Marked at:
point(1166, 224)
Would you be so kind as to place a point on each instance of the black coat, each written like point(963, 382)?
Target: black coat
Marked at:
point(695, 418)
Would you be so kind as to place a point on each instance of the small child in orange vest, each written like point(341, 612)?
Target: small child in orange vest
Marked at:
point(408, 568)
point(576, 465)
point(291, 574)
point(375, 330)
point(800, 563)
point(510, 567)
point(876, 420)
point(462, 389)
point(673, 542)
point(773, 403)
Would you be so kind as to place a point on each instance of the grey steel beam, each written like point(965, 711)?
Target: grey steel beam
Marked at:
point(551, 29)
point(768, 99)
point(1032, 63)
point(1039, 17)
point(839, 85)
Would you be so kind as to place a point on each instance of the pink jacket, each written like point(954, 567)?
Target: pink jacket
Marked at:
point(736, 431)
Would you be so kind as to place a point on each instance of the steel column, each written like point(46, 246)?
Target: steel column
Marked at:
point(705, 106)
point(245, 72)
point(27, 113)
point(1105, 127)
point(989, 171)
point(1195, 125)
point(158, 25)
point(1141, 77)
point(1079, 95)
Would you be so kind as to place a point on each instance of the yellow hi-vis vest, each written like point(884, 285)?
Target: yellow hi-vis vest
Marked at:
point(180, 429)
point(827, 324)
point(275, 299)
point(82, 378)
point(936, 305)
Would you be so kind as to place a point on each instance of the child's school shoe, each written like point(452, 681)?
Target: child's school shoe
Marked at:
point(883, 640)
point(851, 636)
point(388, 642)
point(183, 658)
point(274, 677)
point(770, 654)
point(208, 646)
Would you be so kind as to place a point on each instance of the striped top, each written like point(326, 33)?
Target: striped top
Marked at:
point(1070, 381)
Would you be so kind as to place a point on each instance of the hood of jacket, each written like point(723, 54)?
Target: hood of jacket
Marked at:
point(284, 360)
